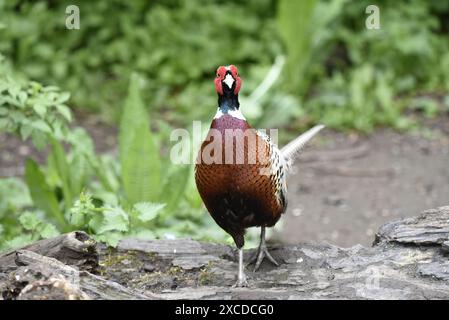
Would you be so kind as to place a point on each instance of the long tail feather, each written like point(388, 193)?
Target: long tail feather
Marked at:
point(293, 148)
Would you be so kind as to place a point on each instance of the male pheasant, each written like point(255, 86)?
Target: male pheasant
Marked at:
point(240, 173)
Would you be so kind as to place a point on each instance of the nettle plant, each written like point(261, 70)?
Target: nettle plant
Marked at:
point(142, 195)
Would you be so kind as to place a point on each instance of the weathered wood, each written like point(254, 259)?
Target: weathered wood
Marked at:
point(43, 277)
point(409, 260)
point(74, 248)
point(99, 288)
point(429, 228)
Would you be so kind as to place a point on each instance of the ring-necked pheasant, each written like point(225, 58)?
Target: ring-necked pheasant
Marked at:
point(240, 173)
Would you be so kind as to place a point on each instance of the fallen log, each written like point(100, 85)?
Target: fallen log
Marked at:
point(408, 260)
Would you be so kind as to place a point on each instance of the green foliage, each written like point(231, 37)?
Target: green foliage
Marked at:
point(146, 211)
point(59, 160)
point(14, 197)
point(141, 168)
point(78, 189)
point(31, 222)
point(43, 196)
point(175, 45)
point(175, 185)
point(32, 110)
point(365, 78)
point(20, 226)
point(295, 25)
point(427, 105)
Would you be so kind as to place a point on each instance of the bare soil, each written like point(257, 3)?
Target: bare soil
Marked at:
point(345, 187)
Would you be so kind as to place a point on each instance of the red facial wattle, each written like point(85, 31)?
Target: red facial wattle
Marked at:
point(238, 84)
point(221, 73)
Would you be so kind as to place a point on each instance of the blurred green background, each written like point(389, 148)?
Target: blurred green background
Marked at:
point(338, 72)
point(302, 62)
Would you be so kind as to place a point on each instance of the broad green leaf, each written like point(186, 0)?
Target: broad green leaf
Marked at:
point(139, 156)
point(51, 172)
point(96, 221)
point(40, 109)
point(41, 125)
point(79, 169)
point(14, 194)
point(110, 238)
point(134, 115)
point(63, 97)
point(114, 219)
point(25, 131)
point(43, 197)
point(175, 186)
point(141, 169)
point(77, 218)
point(147, 211)
point(103, 173)
point(39, 139)
point(47, 230)
point(64, 111)
point(59, 156)
point(191, 192)
point(295, 25)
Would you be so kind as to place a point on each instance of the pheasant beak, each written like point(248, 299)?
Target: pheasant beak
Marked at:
point(229, 80)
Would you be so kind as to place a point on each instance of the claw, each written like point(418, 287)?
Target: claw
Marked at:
point(262, 252)
point(241, 283)
point(260, 255)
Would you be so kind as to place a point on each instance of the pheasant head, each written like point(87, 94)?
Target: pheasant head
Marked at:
point(227, 81)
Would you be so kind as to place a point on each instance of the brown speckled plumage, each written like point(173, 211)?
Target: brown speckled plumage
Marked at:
point(239, 196)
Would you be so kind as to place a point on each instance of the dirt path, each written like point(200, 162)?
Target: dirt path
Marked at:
point(346, 187)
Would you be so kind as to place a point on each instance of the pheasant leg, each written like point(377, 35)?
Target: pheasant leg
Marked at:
point(241, 280)
point(262, 252)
